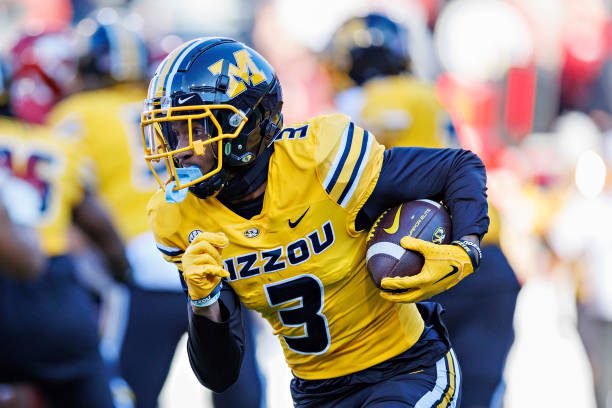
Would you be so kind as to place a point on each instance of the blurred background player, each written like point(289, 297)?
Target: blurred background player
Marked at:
point(370, 62)
point(370, 66)
point(144, 323)
point(48, 326)
point(111, 58)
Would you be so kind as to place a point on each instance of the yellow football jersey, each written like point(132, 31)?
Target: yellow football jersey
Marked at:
point(52, 168)
point(300, 262)
point(402, 111)
point(104, 124)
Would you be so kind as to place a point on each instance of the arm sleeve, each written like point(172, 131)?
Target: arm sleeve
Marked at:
point(215, 350)
point(455, 176)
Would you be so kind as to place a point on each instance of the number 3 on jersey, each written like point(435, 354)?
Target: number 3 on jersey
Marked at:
point(303, 300)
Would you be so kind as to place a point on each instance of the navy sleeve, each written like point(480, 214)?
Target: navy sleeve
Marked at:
point(215, 350)
point(455, 176)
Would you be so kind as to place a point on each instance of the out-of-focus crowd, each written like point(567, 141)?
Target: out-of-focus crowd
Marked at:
point(86, 300)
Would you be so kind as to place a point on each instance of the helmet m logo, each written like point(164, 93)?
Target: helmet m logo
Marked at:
point(244, 72)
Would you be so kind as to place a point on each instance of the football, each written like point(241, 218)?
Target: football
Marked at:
point(423, 219)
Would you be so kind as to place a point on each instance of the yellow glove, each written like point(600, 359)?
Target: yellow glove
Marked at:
point(203, 267)
point(445, 266)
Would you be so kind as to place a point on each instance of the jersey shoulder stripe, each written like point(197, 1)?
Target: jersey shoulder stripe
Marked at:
point(349, 189)
point(356, 148)
point(340, 159)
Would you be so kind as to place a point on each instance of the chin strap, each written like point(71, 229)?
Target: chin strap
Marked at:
point(210, 186)
point(246, 180)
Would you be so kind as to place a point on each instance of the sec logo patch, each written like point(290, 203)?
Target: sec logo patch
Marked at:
point(193, 234)
point(251, 232)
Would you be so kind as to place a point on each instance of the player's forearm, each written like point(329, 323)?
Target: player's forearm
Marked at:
point(215, 346)
point(456, 176)
point(465, 195)
point(212, 312)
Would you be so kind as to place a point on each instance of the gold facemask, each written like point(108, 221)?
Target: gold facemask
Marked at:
point(159, 145)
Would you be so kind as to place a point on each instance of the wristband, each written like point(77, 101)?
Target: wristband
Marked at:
point(472, 249)
point(210, 299)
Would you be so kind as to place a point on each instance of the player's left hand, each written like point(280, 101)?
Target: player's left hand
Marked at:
point(444, 267)
point(203, 266)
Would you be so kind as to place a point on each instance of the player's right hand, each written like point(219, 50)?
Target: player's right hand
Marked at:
point(202, 264)
point(444, 267)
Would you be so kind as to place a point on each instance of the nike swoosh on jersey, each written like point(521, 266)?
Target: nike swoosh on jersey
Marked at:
point(293, 224)
point(395, 226)
point(452, 272)
point(180, 101)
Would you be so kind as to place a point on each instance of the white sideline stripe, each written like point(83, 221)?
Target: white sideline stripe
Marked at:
point(431, 202)
point(185, 52)
point(388, 248)
point(453, 403)
point(161, 67)
point(434, 395)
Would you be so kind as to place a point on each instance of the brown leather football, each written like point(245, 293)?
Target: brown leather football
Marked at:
point(423, 219)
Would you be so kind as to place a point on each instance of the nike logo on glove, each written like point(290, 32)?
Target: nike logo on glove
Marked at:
point(452, 272)
point(293, 224)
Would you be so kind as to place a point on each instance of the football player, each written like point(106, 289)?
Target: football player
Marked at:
point(102, 121)
point(145, 326)
point(275, 219)
point(41, 68)
point(405, 112)
point(369, 61)
point(48, 330)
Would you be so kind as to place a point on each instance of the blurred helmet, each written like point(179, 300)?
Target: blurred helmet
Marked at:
point(112, 49)
point(366, 47)
point(44, 71)
point(230, 90)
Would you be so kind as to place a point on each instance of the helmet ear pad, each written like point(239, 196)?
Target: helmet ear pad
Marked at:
point(257, 134)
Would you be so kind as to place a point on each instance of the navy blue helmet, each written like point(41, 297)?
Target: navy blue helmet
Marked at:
point(227, 87)
point(366, 47)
